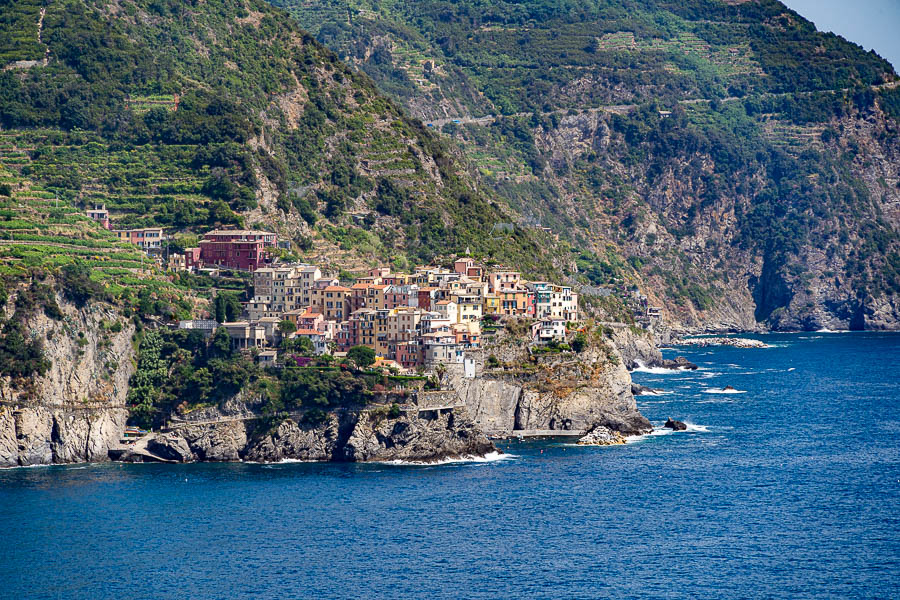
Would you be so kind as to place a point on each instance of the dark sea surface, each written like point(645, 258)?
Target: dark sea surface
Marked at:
point(790, 490)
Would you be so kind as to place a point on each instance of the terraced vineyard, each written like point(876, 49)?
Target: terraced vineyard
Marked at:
point(41, 232)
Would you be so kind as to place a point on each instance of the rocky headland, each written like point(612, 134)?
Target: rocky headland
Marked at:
point(518, 392)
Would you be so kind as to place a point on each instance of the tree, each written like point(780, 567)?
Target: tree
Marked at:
point(362, 356)
point(579, 342)
point(287, 327)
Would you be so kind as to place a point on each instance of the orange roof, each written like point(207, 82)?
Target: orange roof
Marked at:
point(308, 332)
point(336, 288)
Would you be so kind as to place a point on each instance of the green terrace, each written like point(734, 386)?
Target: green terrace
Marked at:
point(140, 185)
point(40, 231)
point(19, 31)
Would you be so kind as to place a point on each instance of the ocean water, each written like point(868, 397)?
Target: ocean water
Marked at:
point(789, 490)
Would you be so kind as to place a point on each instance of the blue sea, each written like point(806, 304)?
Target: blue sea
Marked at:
point(788, 490)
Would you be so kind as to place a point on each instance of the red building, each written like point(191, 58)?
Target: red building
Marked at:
point(192, 258)
point(237, 248)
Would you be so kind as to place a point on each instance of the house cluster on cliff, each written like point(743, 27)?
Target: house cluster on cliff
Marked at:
point(431, 316)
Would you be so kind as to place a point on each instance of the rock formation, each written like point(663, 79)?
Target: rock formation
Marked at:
point(345, 435)
point(601, 436)
point(675, 425)
point(76, 411)
point(548, 392)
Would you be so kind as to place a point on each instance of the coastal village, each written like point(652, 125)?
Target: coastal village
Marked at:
point(412, 321)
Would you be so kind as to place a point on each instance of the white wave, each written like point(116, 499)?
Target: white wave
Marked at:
point(791, 369)
point(642, 368)
point(487, 458)
point(658, 431)
point(723, 391)
point(655, 393)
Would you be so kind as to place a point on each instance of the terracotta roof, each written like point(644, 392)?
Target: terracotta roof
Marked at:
point(336, 288)
point(308, 332)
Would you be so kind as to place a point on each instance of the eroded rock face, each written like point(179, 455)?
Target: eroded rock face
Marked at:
point(77, 411)
point(430, 436)
point(171, 447)
point(353, 436)
point(633, 346)
point(563, 392)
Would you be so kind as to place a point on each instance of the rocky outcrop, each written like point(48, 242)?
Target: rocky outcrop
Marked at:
point(601, 436)
point(76, 411)
point(679, 362)
point(568, 391)
point(342, 436)
point(675, 425)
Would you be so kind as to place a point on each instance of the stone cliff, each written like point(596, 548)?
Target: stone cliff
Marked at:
point(568, 391)
point(76, 411)
point(236, 432)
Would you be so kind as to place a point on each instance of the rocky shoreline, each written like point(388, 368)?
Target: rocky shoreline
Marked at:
point(77, 412)
point(367, 435)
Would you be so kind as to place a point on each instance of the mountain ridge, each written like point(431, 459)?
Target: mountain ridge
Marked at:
point(743, 109)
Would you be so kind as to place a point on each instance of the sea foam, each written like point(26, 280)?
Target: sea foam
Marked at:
point(490, 457)
point(642, 368)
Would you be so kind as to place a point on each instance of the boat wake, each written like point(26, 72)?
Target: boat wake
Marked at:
point(723, 391)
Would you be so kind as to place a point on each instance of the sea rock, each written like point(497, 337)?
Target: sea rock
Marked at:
point(170, 447)
point(675, 425)
point(679, 362)
point(601, 436)
point(642, 390)
point(342, 435)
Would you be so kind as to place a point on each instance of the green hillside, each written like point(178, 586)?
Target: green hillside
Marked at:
point(742, 162)
point(249, 122)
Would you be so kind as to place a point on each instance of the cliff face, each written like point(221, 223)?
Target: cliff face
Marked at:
point(235, 432)
point(76, 411)
point(557, 392)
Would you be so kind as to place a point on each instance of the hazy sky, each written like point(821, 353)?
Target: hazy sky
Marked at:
point(873, 24)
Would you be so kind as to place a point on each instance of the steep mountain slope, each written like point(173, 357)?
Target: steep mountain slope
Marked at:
point(196, 114)
point(744, 164)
